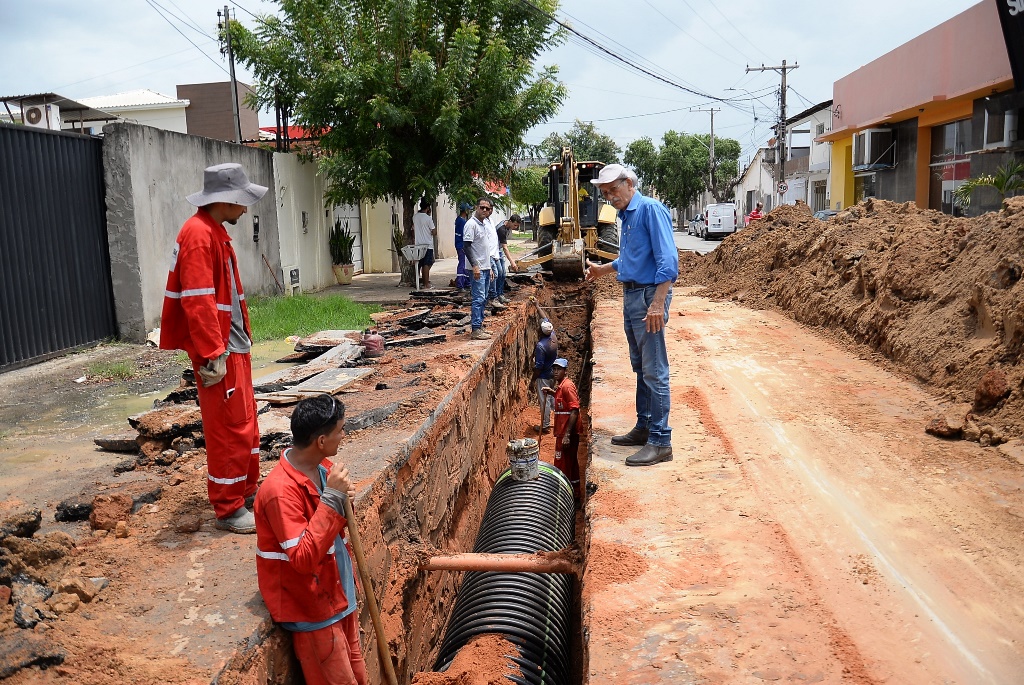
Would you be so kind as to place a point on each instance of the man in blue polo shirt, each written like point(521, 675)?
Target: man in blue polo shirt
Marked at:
point(647, 266)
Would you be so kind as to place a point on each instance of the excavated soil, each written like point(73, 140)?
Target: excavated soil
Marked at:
point(938, 296)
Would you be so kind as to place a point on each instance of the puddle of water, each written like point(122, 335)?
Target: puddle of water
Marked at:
point(264, 353)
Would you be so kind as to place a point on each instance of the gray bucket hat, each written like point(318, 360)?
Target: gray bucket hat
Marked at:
point(227, 183)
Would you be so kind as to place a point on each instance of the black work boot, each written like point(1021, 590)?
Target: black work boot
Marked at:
point(650, 454)
point(635, 436)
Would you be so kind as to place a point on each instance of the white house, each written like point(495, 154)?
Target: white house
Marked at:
point(808, 162)
point(145, 107)
point(756, 184)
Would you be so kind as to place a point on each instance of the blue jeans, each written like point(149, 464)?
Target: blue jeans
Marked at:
point(547, 402)
point(497, 287)
point(649, 359)
point(478, 289)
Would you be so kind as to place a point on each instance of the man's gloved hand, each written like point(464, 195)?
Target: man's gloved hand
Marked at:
point(214, 370)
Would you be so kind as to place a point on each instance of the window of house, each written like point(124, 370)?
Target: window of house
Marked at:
point(950, 164)
point(1001, 128)
point(864, 186)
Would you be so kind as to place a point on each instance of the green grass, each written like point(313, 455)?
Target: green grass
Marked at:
point(274, 318)
point(113, 371)
point(181, 358)
point(522, 235)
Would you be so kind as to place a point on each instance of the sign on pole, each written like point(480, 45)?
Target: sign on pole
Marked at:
point(783, 187)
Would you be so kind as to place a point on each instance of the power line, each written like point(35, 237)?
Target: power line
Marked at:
point(619, 58)
point(117, 71)
point(737, 30)
point(192, 21)
point(152, 4)
point(697, 40)
point(190, 24)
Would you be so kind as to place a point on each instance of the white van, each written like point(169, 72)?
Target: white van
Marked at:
point(720, 220)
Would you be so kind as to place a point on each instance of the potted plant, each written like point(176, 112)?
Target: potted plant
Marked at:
point(342, 242)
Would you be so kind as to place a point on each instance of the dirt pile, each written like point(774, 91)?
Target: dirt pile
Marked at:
point(938, 295)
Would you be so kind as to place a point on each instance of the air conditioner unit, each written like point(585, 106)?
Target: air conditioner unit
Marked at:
point(874, 148)
point(42, 116)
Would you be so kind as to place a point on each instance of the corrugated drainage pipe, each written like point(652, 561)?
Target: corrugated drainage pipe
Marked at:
point(531, 610)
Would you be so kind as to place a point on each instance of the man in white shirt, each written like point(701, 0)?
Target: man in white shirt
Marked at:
point(424, 229)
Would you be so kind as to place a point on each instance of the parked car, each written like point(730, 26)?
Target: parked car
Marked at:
point(720, 220)
point(695, 225)
point(825, 214)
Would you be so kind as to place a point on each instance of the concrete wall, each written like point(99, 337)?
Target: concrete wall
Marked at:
point(148, 173)
point(298, 189)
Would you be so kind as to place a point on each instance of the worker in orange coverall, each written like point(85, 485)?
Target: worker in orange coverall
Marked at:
point(567, 414)
point(204, 314)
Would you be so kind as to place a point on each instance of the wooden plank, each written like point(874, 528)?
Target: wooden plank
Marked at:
point(326, 339)
point(332, 358)
point(330, 381)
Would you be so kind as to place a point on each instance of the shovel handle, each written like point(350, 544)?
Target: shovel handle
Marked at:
point(371, 602)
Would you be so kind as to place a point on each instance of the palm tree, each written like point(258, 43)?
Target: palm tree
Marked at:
point(1007, 180)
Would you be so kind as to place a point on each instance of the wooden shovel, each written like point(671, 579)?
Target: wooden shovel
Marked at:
point(371, 602)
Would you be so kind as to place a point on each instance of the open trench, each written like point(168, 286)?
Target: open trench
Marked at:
point(430, 499)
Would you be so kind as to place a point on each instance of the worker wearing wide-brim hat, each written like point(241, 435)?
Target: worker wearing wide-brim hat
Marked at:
point(204, 314)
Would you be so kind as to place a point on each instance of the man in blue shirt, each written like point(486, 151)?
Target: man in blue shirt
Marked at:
point(647, 266)
point(544, 354)
point(461, 277)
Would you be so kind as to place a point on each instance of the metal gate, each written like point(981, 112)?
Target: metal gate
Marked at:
point(55, 287)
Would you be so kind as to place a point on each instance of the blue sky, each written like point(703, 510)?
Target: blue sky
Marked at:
point(81, 49)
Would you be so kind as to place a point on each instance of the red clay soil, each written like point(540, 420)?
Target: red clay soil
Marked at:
point(483, 661)
point(939, 296)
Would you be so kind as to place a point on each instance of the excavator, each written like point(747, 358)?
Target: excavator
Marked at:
point(575, 224)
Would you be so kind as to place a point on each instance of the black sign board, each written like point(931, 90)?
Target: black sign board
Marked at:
point(1011, 16)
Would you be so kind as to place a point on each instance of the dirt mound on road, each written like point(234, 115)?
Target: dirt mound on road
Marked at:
point(938, 295)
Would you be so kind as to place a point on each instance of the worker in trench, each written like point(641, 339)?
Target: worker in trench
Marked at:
point(567, 419)
point(647, 266)
point(303, 565)
point(204, 314)
point(544, 354)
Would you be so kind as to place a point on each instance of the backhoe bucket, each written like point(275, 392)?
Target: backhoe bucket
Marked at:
point(568, 260)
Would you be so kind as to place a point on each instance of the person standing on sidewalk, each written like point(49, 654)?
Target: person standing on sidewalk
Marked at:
point(647, 266)
point(204, 314)
point(478, 252)
point(498, 266)
point(567, 432)
point(424, 230)
point(461, 278)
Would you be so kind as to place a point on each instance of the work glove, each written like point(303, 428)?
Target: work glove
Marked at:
point(214, 370)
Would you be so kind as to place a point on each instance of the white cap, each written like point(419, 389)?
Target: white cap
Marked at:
point(612, 173)
point(546, 327)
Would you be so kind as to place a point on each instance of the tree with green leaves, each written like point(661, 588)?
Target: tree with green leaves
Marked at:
point(527, 188)
point(407, 98)
point(587, 143)
point(680, 170)
point(642, 156)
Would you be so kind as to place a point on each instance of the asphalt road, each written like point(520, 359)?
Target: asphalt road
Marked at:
point(693, 243)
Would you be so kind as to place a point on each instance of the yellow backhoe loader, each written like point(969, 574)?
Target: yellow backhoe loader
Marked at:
point(576, 223)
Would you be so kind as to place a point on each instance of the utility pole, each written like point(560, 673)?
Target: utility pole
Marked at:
point(781, 128)
point(226, 27)
point(711, 149)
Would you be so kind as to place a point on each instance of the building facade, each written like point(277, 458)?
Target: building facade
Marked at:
point(917, 122)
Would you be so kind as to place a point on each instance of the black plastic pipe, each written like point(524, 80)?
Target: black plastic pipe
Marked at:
point(531, 610)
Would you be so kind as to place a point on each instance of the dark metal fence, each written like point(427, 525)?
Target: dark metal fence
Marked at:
point(55, 287)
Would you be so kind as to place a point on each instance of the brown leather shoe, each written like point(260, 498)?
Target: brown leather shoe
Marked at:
point(635, 436)
point(650, 454)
